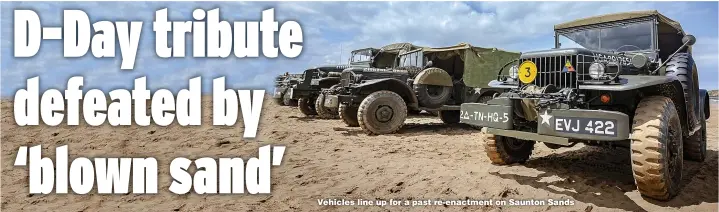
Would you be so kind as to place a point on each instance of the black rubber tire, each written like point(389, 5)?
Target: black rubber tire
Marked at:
point(349, 115)
point(322, 111)
point(290, 102)
point(386, 101)
point(306, 106)
point(449, 116)
point(506, 150)
point(431, 99)
point(695, 146)
point(484, 99)
point(656, 146)
point(682, 66)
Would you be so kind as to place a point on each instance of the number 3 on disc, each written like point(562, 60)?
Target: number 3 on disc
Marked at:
point(527, 72)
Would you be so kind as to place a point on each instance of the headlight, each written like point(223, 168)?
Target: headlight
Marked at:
point(514, 72)
point(596, 70)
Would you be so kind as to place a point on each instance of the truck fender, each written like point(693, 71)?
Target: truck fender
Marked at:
point(390, 84)
point(327, 82)
point(478, 93)
point(674, 91)
point(433, 76)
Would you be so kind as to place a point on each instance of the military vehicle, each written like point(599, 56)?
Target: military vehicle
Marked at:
point(430, 79)
point(632, 84)
point(285, 82)
point(282, 83)
point(318, 78)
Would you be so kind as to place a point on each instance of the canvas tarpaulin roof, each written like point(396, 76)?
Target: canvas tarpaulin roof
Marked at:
point(621, 16)
point(398, 48)
point(481, 65)
point(370, 49)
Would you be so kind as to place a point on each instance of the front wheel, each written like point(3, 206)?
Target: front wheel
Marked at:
point(348, 115)
point(449, 116)
point(695, 146)
point(306, 106)
point(322, 111)
point(382, 112)
point(506, 150)
point(657, 154)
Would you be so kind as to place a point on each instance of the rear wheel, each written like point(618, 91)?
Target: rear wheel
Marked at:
point(506, 150)
point(382, 112)
point(322, 111)
point(657, 155)
point(306, 106)
point(695, 147)
point(348, 115)
point(449, 116)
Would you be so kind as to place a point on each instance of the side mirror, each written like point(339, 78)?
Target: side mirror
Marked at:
point(429, 64)
point(689, 39)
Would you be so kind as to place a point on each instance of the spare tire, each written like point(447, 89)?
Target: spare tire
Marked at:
point(432, 96)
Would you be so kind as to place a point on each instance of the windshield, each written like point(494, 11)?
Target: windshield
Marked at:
point(625, 37)
point(415, 59)
point(361, 56)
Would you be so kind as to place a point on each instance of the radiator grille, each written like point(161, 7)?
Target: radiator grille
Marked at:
point(551, 70)
point(346, 78)
point(554, 70)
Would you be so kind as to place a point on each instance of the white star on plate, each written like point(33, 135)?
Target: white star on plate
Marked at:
point(546, 118)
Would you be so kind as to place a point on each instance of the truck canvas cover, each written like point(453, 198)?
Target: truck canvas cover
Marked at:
point(665, 23)
point(481, 65)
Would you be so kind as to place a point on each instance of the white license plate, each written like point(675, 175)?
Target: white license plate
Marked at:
point(587, 126)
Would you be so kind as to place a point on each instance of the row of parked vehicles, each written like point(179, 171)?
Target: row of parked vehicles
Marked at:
point(630, 82)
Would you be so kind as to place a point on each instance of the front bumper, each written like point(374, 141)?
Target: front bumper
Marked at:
point(295, 93)
point(277, 92)
point(561, 124)
point(331, 101)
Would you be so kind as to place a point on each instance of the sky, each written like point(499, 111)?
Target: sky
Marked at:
point(330, 29)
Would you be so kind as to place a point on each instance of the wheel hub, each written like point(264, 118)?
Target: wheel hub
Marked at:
point(384, 113)
point(433, 90)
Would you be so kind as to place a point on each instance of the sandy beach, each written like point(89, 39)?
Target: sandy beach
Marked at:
point(426, 160)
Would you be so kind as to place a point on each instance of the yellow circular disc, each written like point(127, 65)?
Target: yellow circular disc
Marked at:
point(527, 72)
